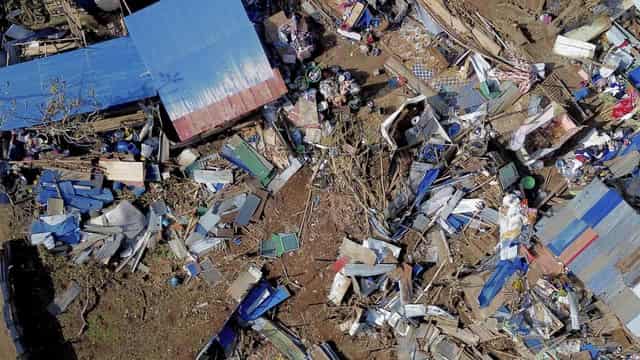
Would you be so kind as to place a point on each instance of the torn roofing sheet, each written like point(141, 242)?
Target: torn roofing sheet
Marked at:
point(206, 61)
point(97, 77)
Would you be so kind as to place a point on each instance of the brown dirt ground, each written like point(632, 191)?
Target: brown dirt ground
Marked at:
point(142, 317)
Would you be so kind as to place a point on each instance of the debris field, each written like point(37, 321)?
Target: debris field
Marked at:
point(320, 179)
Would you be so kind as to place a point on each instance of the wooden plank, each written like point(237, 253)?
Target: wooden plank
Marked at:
point(125, 171)
point(486, 42)
point(118, 122)
point(440, 10)
point(355, 12)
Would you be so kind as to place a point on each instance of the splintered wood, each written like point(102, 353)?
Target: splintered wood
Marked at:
point(358, 172)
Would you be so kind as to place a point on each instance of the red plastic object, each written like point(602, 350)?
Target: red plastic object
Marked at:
point(340, 263)
point(623, 107)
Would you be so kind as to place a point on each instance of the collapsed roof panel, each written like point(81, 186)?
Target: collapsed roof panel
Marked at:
point(209, 66)
point(97, 77)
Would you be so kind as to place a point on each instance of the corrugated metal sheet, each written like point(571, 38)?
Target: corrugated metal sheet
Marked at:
point(627, 305)
point(602, 208)
point(549, 228)
point(632, 277)
point(588, 197)
point(578, 246)
point(634, 325)
point(592, 235)
point(609, 248)
point(571, 232)
point(97, 77)
point(616, 215)
point(206, 61)
point(606, 283)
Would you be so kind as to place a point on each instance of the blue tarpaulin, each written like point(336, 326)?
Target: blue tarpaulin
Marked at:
point(593, 351)
point(97, 77)
point(496, 281)
point(365, 20)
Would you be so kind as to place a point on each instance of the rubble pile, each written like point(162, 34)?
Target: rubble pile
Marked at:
point(500, 187)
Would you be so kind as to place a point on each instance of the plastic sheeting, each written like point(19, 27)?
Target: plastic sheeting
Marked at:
point(496, 281)
point(65, 228)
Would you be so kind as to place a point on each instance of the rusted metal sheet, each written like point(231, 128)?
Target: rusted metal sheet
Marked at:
point(222, 113)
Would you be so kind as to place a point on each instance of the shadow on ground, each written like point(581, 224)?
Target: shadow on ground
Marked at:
point(34, 290)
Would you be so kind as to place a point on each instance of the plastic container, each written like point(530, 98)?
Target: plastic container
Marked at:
point(127, 147)
point(581, 94)
point(528, 182)
point(634, 77)
point(175, 281)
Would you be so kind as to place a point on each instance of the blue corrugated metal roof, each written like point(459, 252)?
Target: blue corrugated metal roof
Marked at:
point(603, 207)
point(614, 217)
point(97, 77)
point(209, 51)
point(200, 53)
point(588, 197)
point(567, 236)
point(606, 283)
point(617, 226)
point(550, 227)
point(627, 305)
